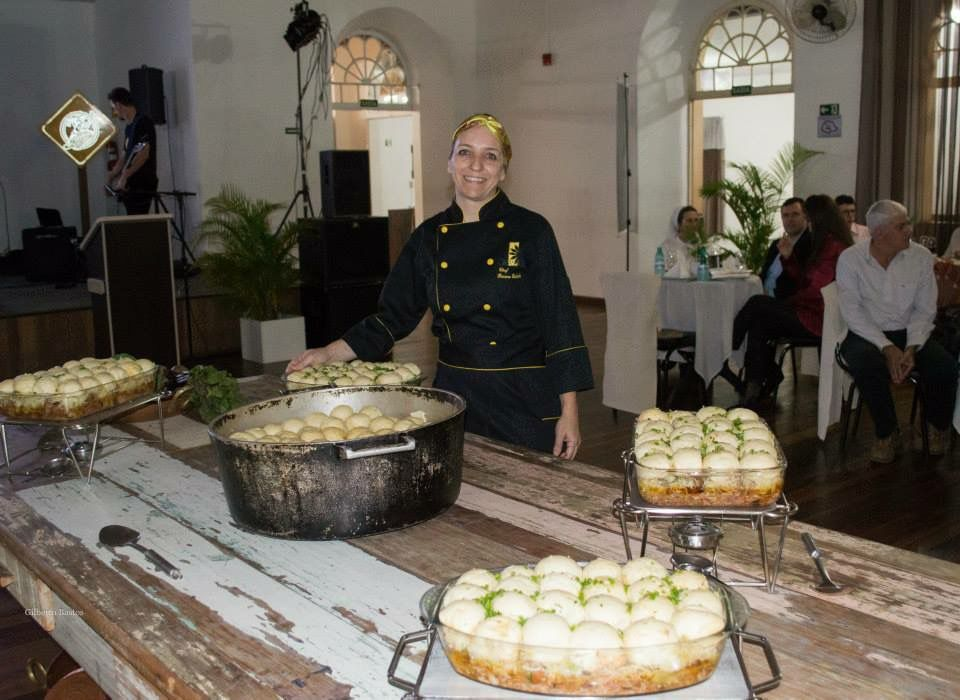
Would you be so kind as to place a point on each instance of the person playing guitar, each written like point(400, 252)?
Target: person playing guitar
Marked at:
point(134, 177)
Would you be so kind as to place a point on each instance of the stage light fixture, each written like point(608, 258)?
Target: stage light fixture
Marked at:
point(304, 27)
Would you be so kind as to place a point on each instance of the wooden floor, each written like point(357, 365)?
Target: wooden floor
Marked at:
point(913, 503)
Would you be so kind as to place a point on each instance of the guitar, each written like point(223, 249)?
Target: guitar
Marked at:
point(118, 193)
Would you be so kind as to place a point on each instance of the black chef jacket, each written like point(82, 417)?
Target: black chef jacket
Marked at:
point(503, 311)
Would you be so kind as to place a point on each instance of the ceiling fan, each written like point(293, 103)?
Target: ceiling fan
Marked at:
point(820, 21)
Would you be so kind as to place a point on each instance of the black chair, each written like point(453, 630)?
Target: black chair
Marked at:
point(677, 347)
point(847, 407)
point(787, 344)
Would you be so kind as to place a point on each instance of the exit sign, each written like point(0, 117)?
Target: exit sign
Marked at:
point(830, 110)
point(368, 103)
point(739, 90)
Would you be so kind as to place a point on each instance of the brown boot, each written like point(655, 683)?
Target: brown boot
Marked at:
point(884, 450)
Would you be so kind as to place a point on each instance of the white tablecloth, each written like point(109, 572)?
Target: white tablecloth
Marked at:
point(708, 309)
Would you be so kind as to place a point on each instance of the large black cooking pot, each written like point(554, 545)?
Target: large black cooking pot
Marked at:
point(335, 490)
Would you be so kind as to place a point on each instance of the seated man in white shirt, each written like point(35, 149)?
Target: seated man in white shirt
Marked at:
point(888, 297)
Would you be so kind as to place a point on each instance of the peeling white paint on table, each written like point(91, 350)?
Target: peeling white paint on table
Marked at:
point(182, 514)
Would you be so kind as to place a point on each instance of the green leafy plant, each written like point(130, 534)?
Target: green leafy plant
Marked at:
point(254, 266)
point(755, 197)
point(212, 392)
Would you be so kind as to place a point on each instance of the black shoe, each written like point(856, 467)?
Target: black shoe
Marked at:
point(771, 384)
point(732, 378)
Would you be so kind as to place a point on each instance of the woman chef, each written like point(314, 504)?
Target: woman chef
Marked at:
point(503, 311)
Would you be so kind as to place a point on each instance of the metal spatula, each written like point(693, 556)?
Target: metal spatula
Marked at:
point(121, 535)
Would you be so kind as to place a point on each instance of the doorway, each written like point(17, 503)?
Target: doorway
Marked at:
point(392, 138)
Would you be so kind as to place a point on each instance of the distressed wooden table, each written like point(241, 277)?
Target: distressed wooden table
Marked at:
point(257, 617)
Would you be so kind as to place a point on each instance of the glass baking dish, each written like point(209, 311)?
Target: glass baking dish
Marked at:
point(83, 402)
point(579, 671)
point(354, 373)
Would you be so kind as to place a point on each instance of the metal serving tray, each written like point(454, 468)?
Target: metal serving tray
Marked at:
point(439, 681)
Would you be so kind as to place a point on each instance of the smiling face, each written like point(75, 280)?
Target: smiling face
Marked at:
point(476, 166)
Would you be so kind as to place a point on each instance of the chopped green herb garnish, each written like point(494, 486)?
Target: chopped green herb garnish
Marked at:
point(487, 602)
point(675, 594)
point(652, 595)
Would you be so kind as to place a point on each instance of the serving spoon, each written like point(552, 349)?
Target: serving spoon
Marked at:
point(121, 535)
point(827, 584)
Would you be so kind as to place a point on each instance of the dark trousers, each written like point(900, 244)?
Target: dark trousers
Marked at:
point(137, 202)
point(763, 320)
point(938, 379)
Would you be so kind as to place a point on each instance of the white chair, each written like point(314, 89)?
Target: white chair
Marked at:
point(833, 380)
point(630, 360)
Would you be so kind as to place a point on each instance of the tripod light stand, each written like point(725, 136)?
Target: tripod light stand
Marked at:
point(305, 27)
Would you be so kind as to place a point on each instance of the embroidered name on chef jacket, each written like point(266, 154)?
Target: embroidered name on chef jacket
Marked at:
point(513, 261)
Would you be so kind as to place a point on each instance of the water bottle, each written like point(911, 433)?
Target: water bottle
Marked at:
point(703, 270)
point(659, 266)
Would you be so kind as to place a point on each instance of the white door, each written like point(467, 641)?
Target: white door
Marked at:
point(391, 164)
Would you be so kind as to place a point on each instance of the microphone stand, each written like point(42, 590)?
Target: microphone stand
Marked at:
point(186, 268)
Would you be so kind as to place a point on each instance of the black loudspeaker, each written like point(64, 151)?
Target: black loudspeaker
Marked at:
point(146, 88)
point(349, 249)
point(329, 313)
point(343, 263)
point(345, 183)
point(50, 255)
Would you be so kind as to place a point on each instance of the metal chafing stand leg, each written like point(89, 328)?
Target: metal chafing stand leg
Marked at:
point(69, 450)
point(622, 512)
point(163, 437)
point(93, 451)
point(761, 534)
point(6, 452)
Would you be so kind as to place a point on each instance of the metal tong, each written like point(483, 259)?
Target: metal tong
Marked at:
point(827, 584)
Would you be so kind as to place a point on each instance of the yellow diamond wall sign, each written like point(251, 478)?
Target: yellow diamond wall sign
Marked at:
point(79, 129)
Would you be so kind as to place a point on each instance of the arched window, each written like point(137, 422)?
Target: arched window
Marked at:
point(746, 49)
point(367, 72)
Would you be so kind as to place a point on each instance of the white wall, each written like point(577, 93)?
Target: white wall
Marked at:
point(824, 74)
point(745, 143)
point(47, 54)
point(246, 77)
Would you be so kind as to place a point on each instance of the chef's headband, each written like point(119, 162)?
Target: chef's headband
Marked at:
point(493, 125)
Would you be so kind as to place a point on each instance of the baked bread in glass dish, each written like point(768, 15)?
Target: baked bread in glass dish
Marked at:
point(597, 629)
point(78, 388)
point(354, 373)
point(711, 458)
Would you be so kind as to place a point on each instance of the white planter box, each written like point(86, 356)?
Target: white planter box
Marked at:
point(272, 341)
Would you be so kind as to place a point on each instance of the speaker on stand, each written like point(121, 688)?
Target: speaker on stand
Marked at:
point(345, 183)
point(343, 263)
point(146, 88)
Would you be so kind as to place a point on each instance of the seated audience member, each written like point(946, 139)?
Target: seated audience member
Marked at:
point(678, 247)
point(848, 209)
point(794, 242)
point(763, 319)
point(953, 247)
point(888, 297)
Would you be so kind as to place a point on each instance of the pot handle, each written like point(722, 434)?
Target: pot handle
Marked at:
point(405, 641)
point(776, 676)
point(407, 444)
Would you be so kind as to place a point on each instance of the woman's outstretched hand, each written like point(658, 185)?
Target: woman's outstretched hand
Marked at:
point(337, 351)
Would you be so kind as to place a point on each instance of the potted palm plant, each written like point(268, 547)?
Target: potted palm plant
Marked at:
point(255, 268)
point(755, 197)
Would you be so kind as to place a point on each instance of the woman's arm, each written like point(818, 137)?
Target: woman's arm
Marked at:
point(568, 438)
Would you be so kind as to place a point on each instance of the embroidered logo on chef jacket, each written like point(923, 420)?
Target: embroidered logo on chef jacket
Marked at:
point(513, 269)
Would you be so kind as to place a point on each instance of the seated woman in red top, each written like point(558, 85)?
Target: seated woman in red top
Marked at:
point(763, 319)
